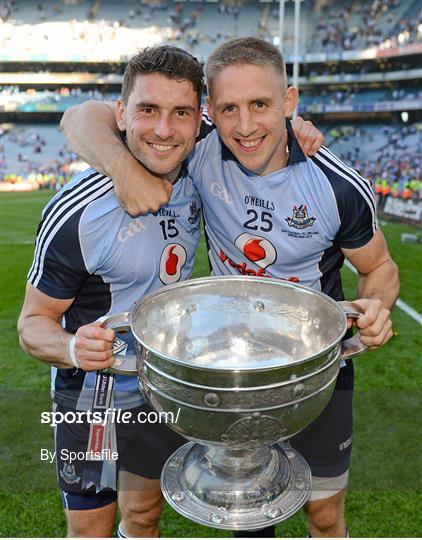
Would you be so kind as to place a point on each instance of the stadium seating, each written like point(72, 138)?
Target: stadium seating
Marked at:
point(119, 29)
point(29, 149)
point(343, 95)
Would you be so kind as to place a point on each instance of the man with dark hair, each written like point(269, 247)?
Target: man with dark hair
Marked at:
point(170, 61)
point(302, 215)
point(92, 260)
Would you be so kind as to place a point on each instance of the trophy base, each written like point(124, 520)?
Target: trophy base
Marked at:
point(236, 490)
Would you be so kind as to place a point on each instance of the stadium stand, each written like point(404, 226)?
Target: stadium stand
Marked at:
point(398, 151)
point(115, 30)
point(360, 71)
point(38, 154)
point(358, 25)
point(12, 98)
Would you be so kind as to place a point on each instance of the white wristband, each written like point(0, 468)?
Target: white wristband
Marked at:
point(72, 352)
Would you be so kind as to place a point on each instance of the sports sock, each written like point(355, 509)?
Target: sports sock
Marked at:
point(120, 533)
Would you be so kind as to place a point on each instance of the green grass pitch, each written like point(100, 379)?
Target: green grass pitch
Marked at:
point(384, 499)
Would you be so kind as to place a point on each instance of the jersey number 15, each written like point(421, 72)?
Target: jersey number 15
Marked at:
point(169, 228)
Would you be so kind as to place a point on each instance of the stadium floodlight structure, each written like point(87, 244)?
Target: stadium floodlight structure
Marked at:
point(295, 38)
point(281, 24)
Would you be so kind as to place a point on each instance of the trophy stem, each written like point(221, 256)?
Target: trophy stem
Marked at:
point(237, 462)
point(231, 489)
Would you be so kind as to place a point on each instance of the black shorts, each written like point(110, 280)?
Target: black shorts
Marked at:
point(142, 449)
point(326, 443)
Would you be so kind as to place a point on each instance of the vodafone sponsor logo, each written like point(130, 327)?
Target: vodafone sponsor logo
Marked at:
point(130, 230)
point(172, 261)
point(243, 269)
point(221, 192)
point(257, 249)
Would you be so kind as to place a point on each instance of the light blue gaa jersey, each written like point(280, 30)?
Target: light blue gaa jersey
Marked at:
point(90, 249)
point(289, 224)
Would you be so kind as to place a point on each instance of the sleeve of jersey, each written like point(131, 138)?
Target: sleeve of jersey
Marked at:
point(355, 201)
point(58, 269)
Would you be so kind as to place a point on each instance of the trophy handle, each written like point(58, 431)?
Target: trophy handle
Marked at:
point(125, 363)
point(353, 346)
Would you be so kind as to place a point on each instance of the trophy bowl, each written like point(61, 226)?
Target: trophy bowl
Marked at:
point(243, 363)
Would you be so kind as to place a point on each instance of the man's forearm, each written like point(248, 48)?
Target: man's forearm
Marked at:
point(382, 283)
point(95, 122)
point(45, 339)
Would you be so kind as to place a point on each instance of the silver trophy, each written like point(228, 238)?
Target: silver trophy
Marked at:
point(243, 363)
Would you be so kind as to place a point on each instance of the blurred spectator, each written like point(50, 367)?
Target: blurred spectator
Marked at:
point(391, 156)
point(38, 159)
point(22, 100)
point(361, 24)
point(398, 159)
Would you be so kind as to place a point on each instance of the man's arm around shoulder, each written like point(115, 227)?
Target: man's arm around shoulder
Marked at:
point(92, 133)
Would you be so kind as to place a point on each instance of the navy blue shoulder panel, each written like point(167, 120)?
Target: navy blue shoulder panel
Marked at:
point(58, 268)
point(62, 269)
point(206, 127)
point(71, 191)
point(329, 266)
point(355, 200)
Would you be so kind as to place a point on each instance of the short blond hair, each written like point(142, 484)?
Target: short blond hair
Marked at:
point(248, 50)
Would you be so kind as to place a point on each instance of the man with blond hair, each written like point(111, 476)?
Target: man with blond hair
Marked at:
point(271, 211)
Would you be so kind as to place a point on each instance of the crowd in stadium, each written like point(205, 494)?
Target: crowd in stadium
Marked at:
point(397, 169)
point(336, 28)
point(13, 91)
point(37, 158)
point(354, 94)
point(12, 95)
point(26, 155)
point(101, 28)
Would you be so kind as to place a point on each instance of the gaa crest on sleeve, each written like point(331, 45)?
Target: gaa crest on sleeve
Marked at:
point(173, 259)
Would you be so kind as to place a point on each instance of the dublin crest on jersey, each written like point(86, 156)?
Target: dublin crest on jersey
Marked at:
point(69, 474)
point(194, 213)
point(300, 218)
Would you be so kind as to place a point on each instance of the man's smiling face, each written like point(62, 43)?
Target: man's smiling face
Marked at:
point(248, 104)
point(161, 119)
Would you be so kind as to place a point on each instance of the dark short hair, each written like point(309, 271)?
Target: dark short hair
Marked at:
point(173, 62)
point(246, 50)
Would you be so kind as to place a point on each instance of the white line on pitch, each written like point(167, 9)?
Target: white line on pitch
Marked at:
point(400, 304)
point(17, 243)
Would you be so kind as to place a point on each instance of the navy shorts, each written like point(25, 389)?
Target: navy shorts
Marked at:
point(142, 448)
point(326, 443)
